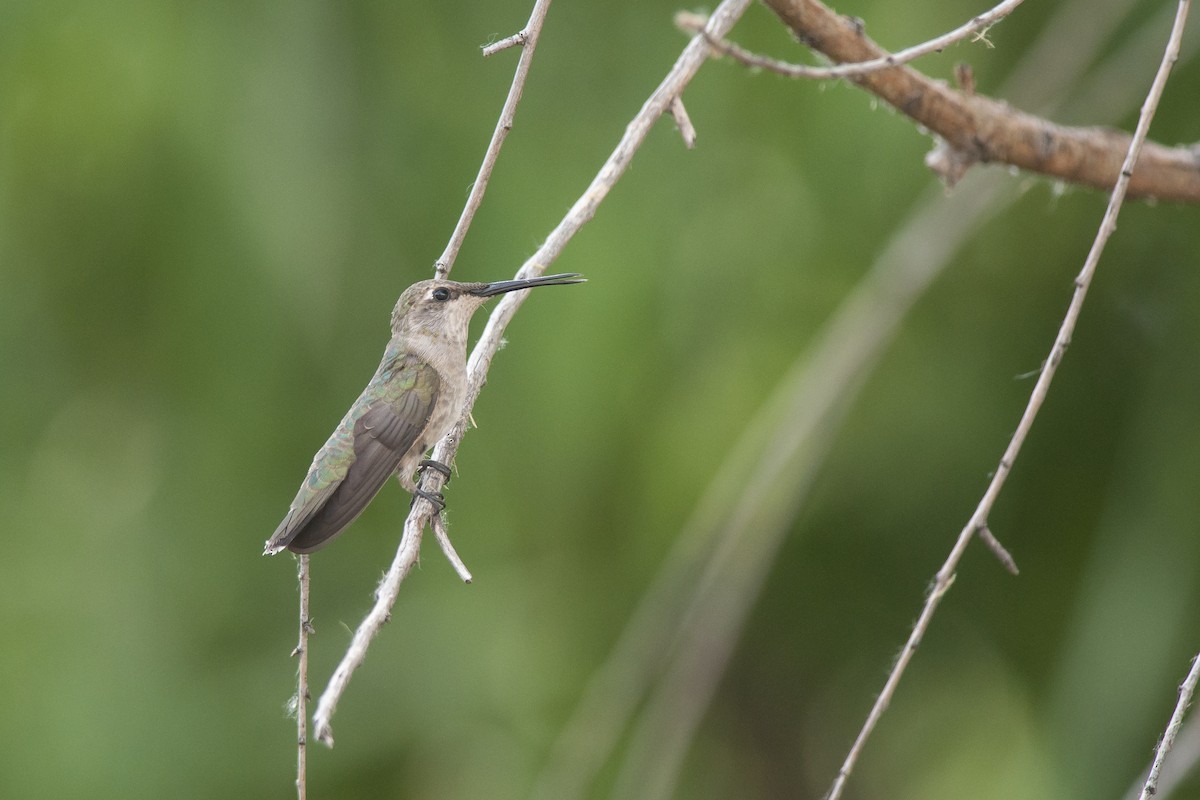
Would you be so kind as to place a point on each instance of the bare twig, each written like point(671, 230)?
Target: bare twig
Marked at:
point(982, 130)
point(527, 38)
point(975, 27)
point(686, 130)
point(443, 538)
point(301, 702)
point(685, 68)
point(516, 40)
point(988, 538)
point(978, 521)
point(707, 583)
point(1186, 690)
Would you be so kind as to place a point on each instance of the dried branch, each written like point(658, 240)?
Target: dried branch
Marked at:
point(978, 520)
point(443, 539)
point(517, 39)
point(420, 514)
point(1185, 755)
point(976, 27)
point(998, 550)
point(672, 86)
point(977, 129)
point(527, 38)
point(301, 699)
point(1186, 690)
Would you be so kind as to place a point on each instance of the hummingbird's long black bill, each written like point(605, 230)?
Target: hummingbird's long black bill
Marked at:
point(500, 287)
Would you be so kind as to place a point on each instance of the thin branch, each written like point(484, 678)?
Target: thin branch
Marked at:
point(443, 539)
point(998, 550)
point(976, 27)
point(685, 68)
point(978, 521)
point(978, 129)
point(419, 515)
point(1185, 755)
point(301, 702)
point(1186, 690)
point(682, 121)
point(527, 38)
point(714, 557)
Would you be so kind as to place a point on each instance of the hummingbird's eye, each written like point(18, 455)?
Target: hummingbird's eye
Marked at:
point(441, 294)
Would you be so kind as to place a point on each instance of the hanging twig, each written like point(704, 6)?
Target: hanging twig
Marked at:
point(517, 39)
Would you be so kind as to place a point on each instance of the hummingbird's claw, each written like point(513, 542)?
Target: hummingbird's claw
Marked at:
point(435, 498)
point(437, 466)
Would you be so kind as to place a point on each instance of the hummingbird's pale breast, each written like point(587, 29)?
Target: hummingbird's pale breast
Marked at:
point(446, 353)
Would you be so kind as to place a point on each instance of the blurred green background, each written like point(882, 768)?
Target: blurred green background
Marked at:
point(206, 214)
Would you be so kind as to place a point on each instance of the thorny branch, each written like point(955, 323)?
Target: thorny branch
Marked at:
point(977, 129)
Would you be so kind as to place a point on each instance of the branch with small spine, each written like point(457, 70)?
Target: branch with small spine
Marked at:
point(972, 128)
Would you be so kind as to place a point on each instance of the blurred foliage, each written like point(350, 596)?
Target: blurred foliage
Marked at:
point(206, 213)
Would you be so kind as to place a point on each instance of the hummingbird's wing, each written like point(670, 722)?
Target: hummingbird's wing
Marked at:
point(361, 455)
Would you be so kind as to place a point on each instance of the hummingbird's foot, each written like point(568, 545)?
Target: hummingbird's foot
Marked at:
point(437, 466)
point(435, 498)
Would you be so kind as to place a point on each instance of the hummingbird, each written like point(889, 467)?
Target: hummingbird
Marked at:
point(411, 402)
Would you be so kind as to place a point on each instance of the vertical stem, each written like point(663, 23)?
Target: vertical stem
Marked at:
point(301, 652)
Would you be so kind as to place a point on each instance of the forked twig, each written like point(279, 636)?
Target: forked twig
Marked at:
point(672, 86)
point(976, 26)
point(978, 521)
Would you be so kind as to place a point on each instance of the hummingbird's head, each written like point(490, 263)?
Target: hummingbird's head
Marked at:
point(444, 308)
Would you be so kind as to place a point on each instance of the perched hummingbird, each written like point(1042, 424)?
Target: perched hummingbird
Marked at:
point(412, 401)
